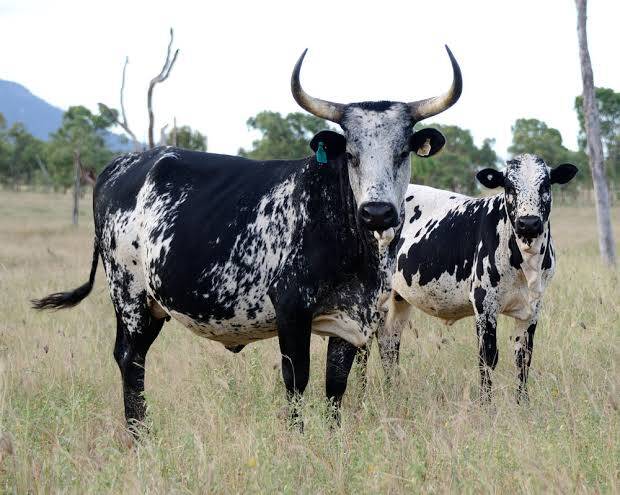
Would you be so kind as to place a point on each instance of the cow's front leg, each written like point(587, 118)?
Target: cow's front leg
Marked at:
point(294, 337)
point(485, 308)
point(524, 344)
point(340, 356)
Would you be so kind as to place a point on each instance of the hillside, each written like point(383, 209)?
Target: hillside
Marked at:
point(18, 104)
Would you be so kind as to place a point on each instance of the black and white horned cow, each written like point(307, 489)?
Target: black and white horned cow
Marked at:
point(460, 256)
point(240, 250)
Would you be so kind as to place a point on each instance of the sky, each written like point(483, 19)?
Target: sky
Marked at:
point(518, 58)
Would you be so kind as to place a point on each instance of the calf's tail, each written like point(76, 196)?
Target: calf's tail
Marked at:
point(70, 298)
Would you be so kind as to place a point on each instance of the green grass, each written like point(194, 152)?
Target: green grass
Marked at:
point(218, 420)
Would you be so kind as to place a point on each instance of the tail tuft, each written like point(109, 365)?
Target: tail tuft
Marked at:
point(60, 300)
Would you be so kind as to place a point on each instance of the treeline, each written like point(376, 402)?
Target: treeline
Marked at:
point(27, 160)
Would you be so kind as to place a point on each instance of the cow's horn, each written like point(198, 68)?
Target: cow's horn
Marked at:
point(321, 108)
point(423, 109)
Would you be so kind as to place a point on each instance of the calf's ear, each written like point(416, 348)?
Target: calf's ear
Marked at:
point(563, 173)
point(334, 144)
point(426, 142)
point(491, 178)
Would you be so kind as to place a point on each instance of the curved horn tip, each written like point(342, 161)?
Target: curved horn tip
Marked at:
point(423, 109)
point(302, 56)
point(323, 109)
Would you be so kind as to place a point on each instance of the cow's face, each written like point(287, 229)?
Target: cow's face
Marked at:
point(527, 184)
point(379, 139)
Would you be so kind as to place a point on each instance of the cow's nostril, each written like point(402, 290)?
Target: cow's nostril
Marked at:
point(378, 216)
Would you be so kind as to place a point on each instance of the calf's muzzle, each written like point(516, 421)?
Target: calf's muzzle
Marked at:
point(529, 226)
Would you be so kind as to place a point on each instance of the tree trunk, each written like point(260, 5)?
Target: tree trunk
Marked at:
point(595, 146)
point(76, 188)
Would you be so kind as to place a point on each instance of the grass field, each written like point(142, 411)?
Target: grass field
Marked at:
point(217, 418)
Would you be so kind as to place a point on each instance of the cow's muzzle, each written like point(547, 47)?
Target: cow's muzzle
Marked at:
point(529, 226)
point(378, 216)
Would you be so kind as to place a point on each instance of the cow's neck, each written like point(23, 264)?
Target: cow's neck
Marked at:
point(361, 246)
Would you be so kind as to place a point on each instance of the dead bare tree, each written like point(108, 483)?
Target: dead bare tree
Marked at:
point(122, 121)
point(162, 135)
point(159, 78)
point(595, 146)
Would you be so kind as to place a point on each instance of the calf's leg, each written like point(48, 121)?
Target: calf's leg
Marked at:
point(389, 335)
point(524, 345)
point(486, 327)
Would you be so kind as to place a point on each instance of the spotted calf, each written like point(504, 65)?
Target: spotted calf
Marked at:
point(460, 256)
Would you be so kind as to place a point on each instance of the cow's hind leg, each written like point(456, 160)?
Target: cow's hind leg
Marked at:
point(486, 327)
point(524, 345)
point(340, 356)
point(134, 336)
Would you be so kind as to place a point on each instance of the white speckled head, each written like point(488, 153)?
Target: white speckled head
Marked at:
point(527, 188)
point(377, 152)
point(379, 140)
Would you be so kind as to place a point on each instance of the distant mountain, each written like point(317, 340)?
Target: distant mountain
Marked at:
point(18, 104)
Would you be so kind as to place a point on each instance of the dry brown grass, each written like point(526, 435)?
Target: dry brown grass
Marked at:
point(217, 417)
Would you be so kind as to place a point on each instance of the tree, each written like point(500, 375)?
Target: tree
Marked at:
point(535, 137)
point(82, 131)
point(455, 167)
point(19, 154)
point(595, 146)
point(608, 102)
point(282, 137)
point(5, 152)
point(187, 138)
point(120, 118)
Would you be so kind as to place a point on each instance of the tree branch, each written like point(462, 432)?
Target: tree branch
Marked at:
point(159, 78)
point(124, 124)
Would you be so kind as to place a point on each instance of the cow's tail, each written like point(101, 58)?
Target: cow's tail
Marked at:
point(70, 298)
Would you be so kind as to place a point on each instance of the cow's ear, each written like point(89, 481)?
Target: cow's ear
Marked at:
point(491, 178)
point(426, 142)
point(333, 143)
point(563, 173)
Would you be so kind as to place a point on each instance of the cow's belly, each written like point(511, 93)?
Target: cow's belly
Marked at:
point(234, 331)
point(445, 298)
point(241, 330)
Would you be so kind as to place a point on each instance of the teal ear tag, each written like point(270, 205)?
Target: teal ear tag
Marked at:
point(321, 155)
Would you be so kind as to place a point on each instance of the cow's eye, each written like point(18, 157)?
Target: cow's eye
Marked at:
point(350, 158)
point(404, 155)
